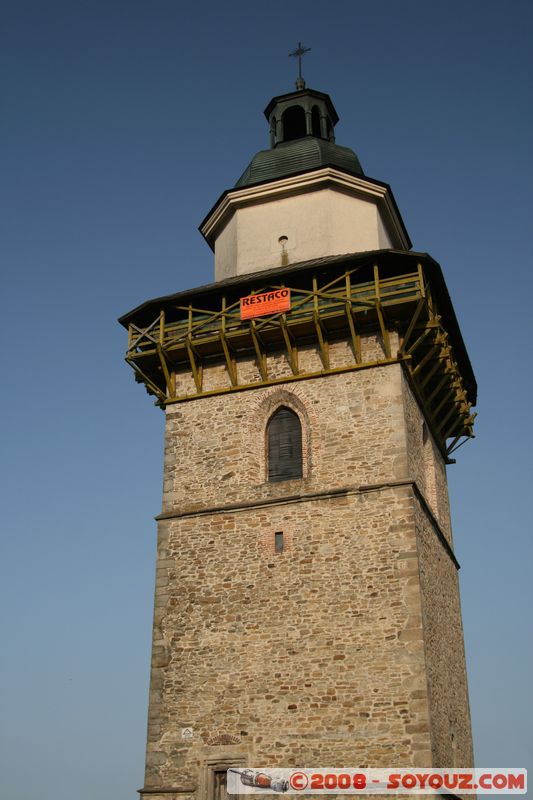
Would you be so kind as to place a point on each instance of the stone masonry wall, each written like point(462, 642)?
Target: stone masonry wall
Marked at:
point(425, 463)
point(444, 650)
point(324, 654)
point(340, 355)
point(312, 656)
point(439, 584)
point(352, 426)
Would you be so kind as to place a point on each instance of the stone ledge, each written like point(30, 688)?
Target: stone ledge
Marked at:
point(344, 491)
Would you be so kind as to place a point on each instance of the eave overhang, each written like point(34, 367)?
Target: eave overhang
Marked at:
point(392, 262)
point(397, 296)
point(297, 95)
point(400, 297)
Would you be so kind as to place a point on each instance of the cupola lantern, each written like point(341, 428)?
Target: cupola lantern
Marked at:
point(305, 197)
point(298, 114)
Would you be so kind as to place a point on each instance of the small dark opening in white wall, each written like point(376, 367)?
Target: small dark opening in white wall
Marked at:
point(278, 542)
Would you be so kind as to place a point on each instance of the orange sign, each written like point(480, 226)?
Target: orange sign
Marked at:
point(258, 305)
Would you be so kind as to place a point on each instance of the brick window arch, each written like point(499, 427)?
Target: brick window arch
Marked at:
point(284, 445)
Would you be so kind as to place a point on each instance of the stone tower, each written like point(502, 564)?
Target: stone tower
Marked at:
point(307, 605)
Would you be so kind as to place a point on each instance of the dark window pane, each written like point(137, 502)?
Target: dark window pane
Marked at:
point(284, 437)
point(220, 786)
point(278, 542)
point(293, 123)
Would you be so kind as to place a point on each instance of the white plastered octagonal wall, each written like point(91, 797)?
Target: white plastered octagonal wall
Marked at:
point(296, 219)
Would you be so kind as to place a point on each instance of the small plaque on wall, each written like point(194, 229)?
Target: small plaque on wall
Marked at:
point(258, 305)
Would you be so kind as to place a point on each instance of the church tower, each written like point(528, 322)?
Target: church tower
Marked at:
point(307, 606)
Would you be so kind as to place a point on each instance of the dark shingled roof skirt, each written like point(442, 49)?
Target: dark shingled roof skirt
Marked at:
point(301, 155)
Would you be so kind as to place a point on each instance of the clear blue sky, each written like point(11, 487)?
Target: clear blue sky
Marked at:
point(122, 124)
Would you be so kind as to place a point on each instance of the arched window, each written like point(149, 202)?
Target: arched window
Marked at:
point(293, 123)
point(284, 442)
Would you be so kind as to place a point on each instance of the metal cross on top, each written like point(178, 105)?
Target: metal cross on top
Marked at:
point(300, 51)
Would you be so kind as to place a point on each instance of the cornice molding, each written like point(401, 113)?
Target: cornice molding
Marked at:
point(327, 177)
